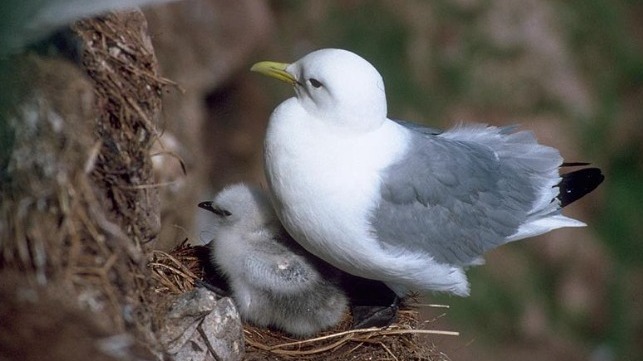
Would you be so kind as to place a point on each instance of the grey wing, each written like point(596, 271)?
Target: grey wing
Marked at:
point(452, 199)
point(277, 269)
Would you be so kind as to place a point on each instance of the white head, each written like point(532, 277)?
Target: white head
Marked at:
point(241, 205)
point(335, 85)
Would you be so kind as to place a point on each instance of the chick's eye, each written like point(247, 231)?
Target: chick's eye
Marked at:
point(315, 83)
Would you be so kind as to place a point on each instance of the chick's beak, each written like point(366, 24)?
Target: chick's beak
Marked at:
point(207, 206)
point(275, 70)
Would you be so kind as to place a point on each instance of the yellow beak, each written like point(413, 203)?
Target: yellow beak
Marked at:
point(275, 70)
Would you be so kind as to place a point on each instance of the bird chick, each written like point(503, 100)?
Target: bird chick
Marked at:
point(273, 281)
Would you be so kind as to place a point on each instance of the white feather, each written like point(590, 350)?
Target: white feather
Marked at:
point(326, 150)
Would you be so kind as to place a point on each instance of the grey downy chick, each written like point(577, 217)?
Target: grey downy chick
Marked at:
point(274, 282)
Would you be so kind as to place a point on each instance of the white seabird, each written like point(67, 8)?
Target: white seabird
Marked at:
point(273, 281)
point(395, 201)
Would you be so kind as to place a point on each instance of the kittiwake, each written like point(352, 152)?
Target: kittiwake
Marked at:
point(395, 201)
point(273, 281)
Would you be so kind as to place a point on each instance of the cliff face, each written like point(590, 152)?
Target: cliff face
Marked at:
point(77, 204)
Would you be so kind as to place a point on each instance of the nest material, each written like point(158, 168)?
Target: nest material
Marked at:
point(176, 272)
point(179, 270)
point(121, 62)
point(78, 202)
point(55, 229)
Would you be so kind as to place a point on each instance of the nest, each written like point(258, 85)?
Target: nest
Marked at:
point(181, 269)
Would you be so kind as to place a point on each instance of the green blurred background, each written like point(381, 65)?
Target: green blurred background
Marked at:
point(572, 71)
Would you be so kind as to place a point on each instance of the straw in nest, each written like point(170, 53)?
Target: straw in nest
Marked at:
point(179, 270)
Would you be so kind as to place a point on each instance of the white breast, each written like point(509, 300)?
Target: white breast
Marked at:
point(325, 182)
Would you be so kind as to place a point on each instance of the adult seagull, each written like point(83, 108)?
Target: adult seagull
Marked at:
point(395, 201)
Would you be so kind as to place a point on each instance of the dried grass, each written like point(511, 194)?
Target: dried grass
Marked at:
point(179, 270)
point(74, 215)
point(122, 64)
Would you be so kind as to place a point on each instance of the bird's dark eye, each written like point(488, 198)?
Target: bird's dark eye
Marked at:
point(315, 83)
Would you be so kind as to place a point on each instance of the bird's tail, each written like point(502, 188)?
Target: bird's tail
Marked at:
point(574, 185)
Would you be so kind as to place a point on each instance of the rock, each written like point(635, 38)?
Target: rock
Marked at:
point(200, 327)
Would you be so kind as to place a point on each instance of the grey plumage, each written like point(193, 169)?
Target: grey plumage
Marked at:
point(394, 201)
point(458, 197)
point(274, 282)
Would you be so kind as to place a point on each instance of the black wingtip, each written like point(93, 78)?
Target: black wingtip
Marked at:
point(574, 164)
point(574, 185)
